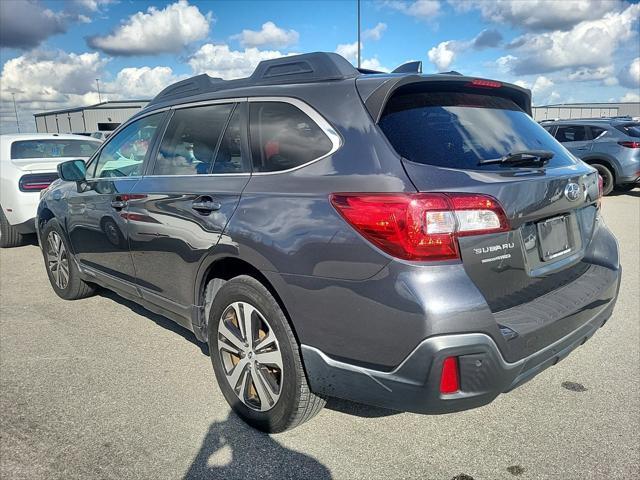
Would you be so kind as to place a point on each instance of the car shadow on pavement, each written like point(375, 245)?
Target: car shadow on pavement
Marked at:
point(158, 319)
point(232, 450)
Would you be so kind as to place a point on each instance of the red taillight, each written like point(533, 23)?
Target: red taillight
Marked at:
point(420, 226)
point(478, 82)
point(449, 378)
point(34, 182)
point(630, 144)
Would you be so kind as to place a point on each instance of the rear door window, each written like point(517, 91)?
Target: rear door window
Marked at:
point(597, 132)
point(572, 133)
point(191, 140)
point(284, 137)
point(459, 129)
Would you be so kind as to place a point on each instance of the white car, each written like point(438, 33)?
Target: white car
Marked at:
point(28, 165)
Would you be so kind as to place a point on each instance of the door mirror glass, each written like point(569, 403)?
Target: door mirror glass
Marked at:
point(72, 170)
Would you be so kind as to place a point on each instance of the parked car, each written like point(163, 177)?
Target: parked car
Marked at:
point(610, 145)
point(28, 165)
point(415, 242)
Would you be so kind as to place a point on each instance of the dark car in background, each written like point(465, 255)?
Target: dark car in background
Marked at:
point(610, 145)
point(414, 242)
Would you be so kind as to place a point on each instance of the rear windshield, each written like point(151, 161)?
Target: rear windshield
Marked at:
point(457, 130)
point(631, 129)
point(53, 148)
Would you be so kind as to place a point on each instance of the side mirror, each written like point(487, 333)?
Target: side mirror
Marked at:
point(72, 171)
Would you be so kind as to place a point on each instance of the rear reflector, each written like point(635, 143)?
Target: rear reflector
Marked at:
point(630, 144)
point(420, 226)
point(478, 82)
point(34, 182)
point(449, 379)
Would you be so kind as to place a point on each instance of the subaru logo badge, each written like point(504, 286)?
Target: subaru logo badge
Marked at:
point(572, 192)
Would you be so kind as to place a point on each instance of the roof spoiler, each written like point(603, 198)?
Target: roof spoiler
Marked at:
point(376, 98)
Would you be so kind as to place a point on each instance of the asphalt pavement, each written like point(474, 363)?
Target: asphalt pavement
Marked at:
point(102, 388)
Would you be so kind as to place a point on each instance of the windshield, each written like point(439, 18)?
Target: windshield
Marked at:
point(53, 148)
point(458, 130)
point(631, 129)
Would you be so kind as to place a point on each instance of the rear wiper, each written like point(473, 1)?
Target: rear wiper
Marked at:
point(524, 156)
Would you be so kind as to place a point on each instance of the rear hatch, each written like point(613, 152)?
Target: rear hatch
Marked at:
point(532, 275)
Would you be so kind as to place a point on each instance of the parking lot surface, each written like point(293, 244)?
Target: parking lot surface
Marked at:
point(102, 388)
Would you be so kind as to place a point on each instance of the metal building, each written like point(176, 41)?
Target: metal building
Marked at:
point(102, 117)
point(586, 110)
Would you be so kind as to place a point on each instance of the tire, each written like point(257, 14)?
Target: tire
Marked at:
point(55, 241)
point(608, 180)
point(289, 402)
point(626, 187)
point(9, 235)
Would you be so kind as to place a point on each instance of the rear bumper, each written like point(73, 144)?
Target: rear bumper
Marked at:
point(414, 385)
point(26, 227)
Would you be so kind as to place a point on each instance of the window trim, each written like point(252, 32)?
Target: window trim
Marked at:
point(334, 137)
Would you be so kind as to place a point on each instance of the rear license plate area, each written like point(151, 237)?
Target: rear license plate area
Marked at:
point(554, 238)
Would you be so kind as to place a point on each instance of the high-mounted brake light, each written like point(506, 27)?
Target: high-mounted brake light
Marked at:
point(630, 144)
point(449, 378)
point(420, 226)
point(480, 83)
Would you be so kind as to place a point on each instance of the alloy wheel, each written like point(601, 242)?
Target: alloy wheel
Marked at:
point(250, 356)
point(57, 260)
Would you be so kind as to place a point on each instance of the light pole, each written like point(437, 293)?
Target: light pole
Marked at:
point(358, 2)
point(15, 109)
point(98, 85)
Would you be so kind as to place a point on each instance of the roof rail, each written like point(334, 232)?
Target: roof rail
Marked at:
point(309, 67)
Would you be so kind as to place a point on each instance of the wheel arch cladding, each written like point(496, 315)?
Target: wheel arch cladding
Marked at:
point(219, 272)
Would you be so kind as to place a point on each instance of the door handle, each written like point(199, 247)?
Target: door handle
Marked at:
point(205, 204)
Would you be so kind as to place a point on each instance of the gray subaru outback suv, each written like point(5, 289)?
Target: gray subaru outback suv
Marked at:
point(415, 242)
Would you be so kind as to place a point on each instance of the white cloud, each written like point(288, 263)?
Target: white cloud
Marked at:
point(140, 83)
point(541, 85)
point(374, 64)
point(270, 34)
point(589, 44)
point(539, 15)
point(156, 31)
point(374, 33)
point(349, 50)
point(421, 9)
point(92, 5)
point(442, 55)
point(630, 97)
point(221, 61)
point(36, 89)
point(629, 76)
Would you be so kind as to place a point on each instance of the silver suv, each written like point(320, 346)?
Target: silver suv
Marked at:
point(611, 145)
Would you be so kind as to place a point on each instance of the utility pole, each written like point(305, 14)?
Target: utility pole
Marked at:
point(358, 1)
point(98, 85)
point(15, 109)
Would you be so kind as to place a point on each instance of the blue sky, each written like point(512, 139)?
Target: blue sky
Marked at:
point(565, 51)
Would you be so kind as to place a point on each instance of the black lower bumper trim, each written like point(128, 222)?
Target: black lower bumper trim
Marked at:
point(414, 385)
